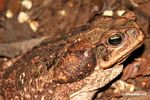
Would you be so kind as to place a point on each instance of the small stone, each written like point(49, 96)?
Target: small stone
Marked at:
point(23, 17)
point(62, 12)
point(86, 53)
point(120, 12)
point(9, 14)
point(34, 25)
point(108, 13)
point(27, 4)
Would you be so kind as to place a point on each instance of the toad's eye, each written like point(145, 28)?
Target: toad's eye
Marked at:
point(115, 39)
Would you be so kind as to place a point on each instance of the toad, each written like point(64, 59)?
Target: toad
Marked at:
point(73, 67)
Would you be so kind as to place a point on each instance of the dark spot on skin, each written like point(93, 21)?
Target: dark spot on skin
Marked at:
point(102, 52)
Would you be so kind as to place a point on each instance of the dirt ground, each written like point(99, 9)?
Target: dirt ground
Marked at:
point(24, 23)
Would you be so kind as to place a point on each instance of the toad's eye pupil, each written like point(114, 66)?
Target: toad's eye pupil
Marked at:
point(115, 39)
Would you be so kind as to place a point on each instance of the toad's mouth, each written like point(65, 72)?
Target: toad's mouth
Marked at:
point(123, 59)
point(120, 61)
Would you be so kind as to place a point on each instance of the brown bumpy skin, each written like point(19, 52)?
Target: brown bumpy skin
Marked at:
point(75, 65)
point(59, 68)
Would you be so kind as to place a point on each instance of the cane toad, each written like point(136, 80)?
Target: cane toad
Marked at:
point(57, 70)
